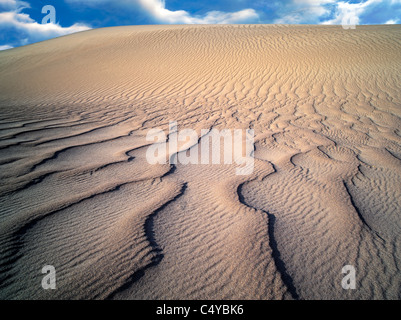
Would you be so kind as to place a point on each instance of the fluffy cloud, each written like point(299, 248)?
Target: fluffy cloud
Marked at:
point(28, 30)
point(268, 11)
point(5, 47)
point(157, 11)
point(339, 12)
point(304, 11)
point(8, 5)
point(345, 12)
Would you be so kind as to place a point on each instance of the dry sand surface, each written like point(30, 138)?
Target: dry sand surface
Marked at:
point(78, 193)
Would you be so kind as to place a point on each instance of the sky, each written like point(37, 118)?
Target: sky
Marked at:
point(30, 21)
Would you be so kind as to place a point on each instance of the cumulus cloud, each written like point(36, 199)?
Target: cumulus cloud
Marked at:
point(345, 12)
point(339, 12)
point(305, 11)
point(8, 5)
point(157, 11)
point(5, 47)
point(29, 31)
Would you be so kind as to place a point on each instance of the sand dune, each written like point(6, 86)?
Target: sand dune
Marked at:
point(78, 193)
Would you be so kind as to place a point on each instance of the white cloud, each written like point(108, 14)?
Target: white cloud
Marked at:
point(336, 12)
point(350, 11)
point(11, 5)
point(392, 21)
point(305, 11)
point(30, 30)
point(33, 30)
point(5, 47)
point(156, 9)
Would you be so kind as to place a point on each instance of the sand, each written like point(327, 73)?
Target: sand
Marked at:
point(78, 193)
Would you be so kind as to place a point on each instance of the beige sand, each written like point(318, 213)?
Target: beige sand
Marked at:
point(77, 192)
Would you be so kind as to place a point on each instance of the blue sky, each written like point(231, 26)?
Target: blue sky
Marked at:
point(21, 21)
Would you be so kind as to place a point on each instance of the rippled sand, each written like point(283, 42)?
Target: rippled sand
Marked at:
point(77, 192)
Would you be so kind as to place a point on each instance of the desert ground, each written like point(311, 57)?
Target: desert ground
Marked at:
point(78, 193)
